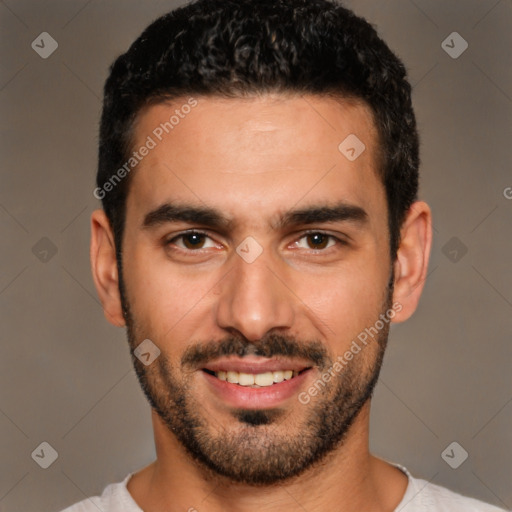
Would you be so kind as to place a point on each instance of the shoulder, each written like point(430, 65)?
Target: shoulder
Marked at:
point(115, 498)
point(423, 496)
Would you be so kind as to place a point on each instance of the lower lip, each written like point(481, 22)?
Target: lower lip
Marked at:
point(243, 397)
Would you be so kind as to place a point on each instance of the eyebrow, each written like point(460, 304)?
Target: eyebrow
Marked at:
point(340, 212)
point(215, 219)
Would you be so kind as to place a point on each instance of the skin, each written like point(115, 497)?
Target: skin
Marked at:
point(255, 159)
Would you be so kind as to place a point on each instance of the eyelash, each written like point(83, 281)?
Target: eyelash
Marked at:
point(170, 242)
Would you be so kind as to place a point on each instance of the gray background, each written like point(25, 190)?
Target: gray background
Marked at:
point(65, 373)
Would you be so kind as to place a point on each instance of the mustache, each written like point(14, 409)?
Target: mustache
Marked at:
point(270, 346)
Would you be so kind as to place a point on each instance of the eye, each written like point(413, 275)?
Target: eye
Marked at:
point(316, 241)
point(192, 240)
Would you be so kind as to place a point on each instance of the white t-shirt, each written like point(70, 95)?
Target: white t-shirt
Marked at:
point(420, 496)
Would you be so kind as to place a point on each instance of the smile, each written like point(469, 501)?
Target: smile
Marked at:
point(256, 383)
point(255, 380)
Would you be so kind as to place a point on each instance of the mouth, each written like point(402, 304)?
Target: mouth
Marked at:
point(255, 380)
point(254, 384)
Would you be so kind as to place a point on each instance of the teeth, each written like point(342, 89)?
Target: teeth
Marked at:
point(258, 380)
point(246, 379)
point(264, 379)
point(232, 377)
point(278, 376)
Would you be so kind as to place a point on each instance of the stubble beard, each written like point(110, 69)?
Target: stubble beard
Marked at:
point(262, 447)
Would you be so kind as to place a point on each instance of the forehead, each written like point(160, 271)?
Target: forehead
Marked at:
point(256, 153)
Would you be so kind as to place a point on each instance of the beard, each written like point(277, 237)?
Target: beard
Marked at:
point(259, 447)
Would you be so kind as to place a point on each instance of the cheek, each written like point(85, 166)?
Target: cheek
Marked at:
point(346, 301)
point(165, 300)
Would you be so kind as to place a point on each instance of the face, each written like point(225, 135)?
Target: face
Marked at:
point(254, 254)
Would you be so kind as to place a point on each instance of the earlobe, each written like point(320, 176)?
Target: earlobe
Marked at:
point(104, 268)
point(413, 255)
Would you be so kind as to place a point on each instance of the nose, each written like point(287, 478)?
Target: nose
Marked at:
point(254, 298)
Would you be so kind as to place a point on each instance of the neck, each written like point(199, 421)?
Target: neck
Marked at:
point(349, 479)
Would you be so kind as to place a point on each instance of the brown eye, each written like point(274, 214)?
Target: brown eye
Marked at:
point(317, 240)
point(193, 240)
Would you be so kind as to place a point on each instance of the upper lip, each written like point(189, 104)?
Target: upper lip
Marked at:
point(255, 365)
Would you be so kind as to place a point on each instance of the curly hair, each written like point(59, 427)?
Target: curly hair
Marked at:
point(239, 48)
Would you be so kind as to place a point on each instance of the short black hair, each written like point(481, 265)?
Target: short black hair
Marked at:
point(239, 48)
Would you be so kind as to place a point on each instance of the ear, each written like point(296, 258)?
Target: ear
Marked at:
point(412, 259)
point(104, 268)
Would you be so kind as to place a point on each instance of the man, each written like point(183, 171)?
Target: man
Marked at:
point(258, 170)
